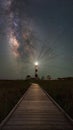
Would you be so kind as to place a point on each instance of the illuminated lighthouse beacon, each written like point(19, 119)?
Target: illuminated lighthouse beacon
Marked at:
point(36, 70)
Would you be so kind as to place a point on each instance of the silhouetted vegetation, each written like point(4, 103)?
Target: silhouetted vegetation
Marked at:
point(28, 77)
point(10, 92)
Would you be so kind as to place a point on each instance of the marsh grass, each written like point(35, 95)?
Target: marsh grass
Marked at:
point(10, 93)
point(61, 91)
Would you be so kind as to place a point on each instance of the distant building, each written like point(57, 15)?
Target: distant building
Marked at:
point(48, 77)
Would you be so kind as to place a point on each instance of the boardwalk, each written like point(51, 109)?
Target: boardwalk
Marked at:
point(37, 112)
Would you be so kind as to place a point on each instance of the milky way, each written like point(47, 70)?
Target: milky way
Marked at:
point(34, 36)
point(21, 32)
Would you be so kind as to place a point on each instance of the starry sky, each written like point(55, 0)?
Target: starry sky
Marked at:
point(36, 30)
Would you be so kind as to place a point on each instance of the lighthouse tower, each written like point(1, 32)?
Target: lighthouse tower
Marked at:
point(36, 69)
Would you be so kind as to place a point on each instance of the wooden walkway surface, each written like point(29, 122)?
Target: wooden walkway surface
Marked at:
point(37, 112)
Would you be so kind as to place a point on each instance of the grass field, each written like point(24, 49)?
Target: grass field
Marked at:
point(10, 92)
point(61, 91)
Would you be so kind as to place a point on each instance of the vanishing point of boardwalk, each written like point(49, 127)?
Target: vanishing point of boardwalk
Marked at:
point(37, 112)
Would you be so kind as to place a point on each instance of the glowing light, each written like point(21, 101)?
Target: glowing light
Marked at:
point(36, 63)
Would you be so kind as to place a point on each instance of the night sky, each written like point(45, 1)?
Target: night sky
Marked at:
point(36, 30)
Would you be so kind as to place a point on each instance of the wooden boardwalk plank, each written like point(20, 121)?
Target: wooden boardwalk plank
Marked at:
point(37, 112)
